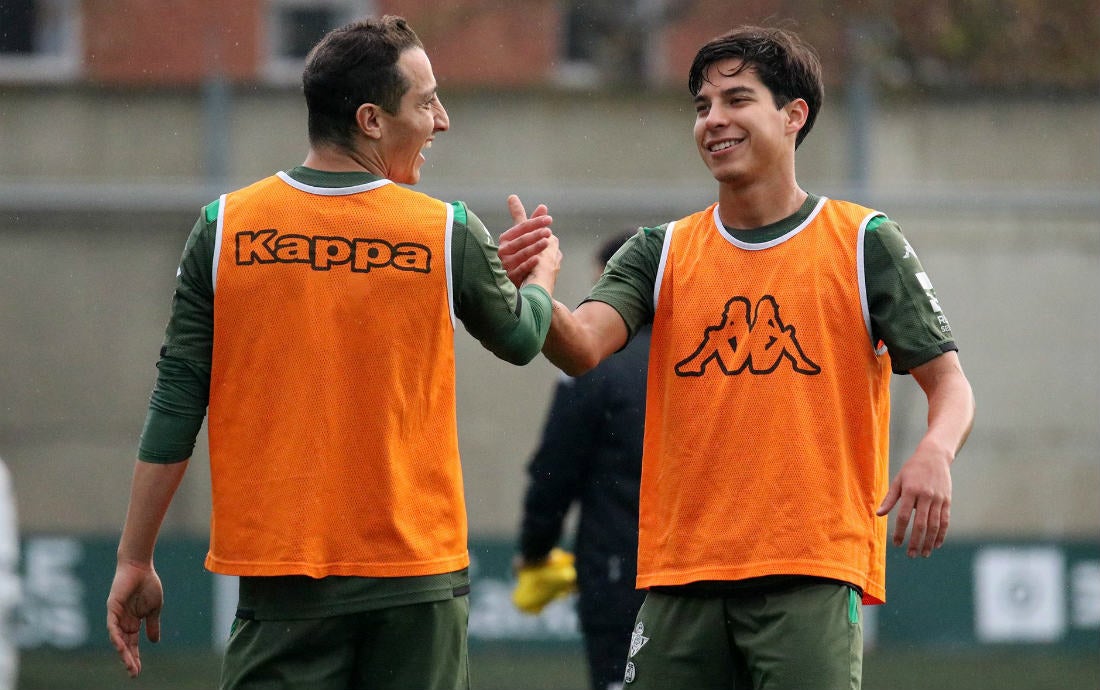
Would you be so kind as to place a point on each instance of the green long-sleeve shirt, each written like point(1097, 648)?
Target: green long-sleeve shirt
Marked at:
point(511, 324)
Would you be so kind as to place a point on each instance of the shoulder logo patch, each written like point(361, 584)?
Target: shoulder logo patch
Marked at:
point(908, 251)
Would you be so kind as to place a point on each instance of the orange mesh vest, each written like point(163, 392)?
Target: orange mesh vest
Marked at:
point(767, 418)
point(333, 440)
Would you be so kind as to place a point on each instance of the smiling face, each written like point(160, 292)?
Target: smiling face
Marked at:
point(741, 135)
point(406, 133)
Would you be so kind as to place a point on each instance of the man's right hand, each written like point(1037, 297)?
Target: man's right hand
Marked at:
point(522, 246)
point(136, 597)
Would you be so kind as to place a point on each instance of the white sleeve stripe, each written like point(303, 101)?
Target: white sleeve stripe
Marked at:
point(661, 264)
point(218, 242)
point(447, 261)
point(861, 276)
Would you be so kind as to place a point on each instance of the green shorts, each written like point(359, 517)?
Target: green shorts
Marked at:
point(421, 646)
point(807, 636)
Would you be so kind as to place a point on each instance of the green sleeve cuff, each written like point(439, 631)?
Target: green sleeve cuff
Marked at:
point(540, 305)
point(523, 339)
point(168, 438)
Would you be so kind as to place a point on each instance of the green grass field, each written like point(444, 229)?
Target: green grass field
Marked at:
point(501, 669)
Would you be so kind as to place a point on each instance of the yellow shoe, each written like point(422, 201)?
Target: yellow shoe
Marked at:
point(538, 585)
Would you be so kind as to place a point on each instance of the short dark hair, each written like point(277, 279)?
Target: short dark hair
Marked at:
point(350, 66)
point(788, 67)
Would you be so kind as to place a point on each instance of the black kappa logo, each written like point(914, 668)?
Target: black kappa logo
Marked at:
point(743, 341)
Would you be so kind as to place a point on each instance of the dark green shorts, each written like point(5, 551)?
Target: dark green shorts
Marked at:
point(808, 636)
point(421, 646)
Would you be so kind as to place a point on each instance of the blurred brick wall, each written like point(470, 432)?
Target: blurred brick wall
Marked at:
point(141, 43)
point(482, 43)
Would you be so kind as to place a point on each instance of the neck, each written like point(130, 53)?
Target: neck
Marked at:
point(753, 206)
point(328, 158)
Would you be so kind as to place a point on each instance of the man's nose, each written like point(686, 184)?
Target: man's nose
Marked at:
point(442, 121)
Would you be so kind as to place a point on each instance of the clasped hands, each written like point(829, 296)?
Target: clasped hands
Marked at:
point(529, 249)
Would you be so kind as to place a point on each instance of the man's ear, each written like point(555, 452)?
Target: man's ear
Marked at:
point(797, 113)
point(368, 120)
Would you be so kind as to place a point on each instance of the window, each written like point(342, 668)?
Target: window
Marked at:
point(582, 34)
point(294, 26)
point(615, 42)
point(39, 40)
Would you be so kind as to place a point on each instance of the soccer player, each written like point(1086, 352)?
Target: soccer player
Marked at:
point(314, 313)
point(778, 315)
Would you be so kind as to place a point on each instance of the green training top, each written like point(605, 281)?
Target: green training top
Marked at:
point(512, 324)
point(905, 312)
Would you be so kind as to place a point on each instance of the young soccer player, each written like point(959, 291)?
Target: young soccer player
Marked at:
point(778, 315)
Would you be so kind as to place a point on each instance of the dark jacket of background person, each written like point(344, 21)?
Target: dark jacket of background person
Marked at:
point(591, 454)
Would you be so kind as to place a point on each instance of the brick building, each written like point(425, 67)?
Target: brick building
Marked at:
point(473, 43)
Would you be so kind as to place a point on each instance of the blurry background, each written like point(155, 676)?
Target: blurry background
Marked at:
point(975, 125)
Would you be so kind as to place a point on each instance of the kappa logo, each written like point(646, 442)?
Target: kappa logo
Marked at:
point(908, 251)
point(744, 341)
point(361, 255)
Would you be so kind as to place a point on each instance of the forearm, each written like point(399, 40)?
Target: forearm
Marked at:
point(950, 405)
point(579, 340)
point(510, 323)
point(922, 488)
point(519, 339)
point(151, 492)
point(176, 410)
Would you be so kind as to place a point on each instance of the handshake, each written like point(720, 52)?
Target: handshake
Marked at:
point(538, 585)
point(529, 250)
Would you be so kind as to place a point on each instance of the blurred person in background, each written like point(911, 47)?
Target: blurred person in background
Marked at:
point(314, 313)
point(777, 317)
point(9, 581)
point(590, 455)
